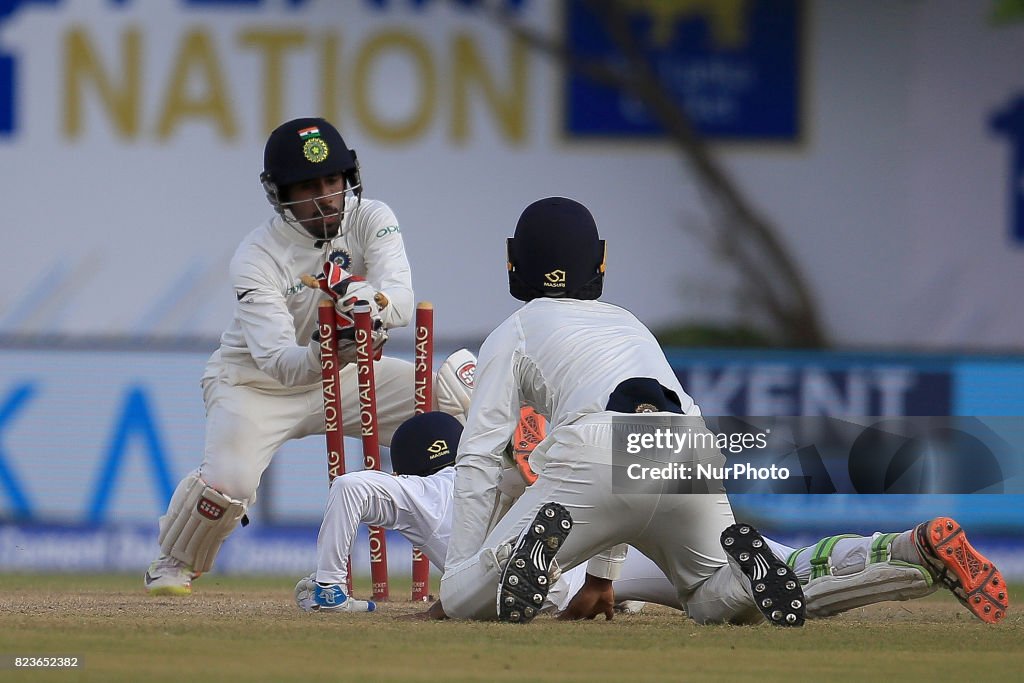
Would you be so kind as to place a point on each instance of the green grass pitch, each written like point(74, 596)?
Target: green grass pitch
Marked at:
point(248, 630)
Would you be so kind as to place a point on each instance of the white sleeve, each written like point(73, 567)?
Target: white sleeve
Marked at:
point(608, 564)
point(355, 498)
point(269, 327)
point(493, 416)
point(387, 266)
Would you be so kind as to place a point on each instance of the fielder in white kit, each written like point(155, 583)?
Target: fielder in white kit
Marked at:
point(262, 386)
point(838, 573)
point(580, 362)
point(417, 503)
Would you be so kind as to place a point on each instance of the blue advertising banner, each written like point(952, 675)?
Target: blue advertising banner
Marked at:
point(93, 442)
point(733, 67)
point(743, 383)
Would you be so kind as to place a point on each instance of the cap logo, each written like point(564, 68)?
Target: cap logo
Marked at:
point(313, 147)
point(556, 278)
point(437, 449)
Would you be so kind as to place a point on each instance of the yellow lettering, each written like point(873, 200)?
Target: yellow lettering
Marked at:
point(329, 80)
point(508, 106)
point(196, 54)
point(273, 45)
point(418, 119)
point(121, 101)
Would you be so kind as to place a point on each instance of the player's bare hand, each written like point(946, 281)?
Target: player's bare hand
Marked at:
point(434, 613)
point(595, 597)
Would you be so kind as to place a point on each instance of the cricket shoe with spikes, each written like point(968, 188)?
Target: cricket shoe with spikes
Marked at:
point(525, 580)
point(972, 578)
point(168, 576)
point(773, 585)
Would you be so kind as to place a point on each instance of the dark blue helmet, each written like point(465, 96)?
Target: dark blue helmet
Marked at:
point(425, 443)
point(556, 252)
point(306, 148)
point(303, 149)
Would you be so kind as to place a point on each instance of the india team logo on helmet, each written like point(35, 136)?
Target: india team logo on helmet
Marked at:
point(314, 148)
point(304, 149)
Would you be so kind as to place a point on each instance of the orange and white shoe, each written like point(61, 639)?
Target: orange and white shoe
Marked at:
point(531, 431)
point(974, 580)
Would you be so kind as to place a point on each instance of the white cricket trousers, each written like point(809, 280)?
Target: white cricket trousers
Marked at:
point(245, 426)
point(679, 532)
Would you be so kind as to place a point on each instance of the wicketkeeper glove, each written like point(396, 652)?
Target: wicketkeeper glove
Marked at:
point(347, 290)
point(345, 333)
point(347, 342)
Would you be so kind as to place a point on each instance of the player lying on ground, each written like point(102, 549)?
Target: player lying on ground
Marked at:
point(262, 387)
point(839, 572)
point(581, 363)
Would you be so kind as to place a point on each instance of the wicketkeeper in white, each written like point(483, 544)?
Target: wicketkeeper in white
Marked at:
point(262, 387)
point(838, 573)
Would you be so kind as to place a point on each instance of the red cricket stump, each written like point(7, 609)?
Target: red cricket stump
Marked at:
point(423, 384)
point(371, 441)
point(329, 367)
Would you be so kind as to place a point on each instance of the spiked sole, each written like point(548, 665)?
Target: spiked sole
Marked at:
point(524, 582)
point(972, 578)
point(776, 590)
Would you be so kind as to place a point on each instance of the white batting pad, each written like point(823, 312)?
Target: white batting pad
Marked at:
point(197, 522)
point(881, 581)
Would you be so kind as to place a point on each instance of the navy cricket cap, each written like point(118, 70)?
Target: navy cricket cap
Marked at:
point(425, 443)
point(306, 148)
point(556, 252)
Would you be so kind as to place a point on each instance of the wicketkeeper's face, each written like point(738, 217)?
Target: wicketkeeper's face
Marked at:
point(317, 204)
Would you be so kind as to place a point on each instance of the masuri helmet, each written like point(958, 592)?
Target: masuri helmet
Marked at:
point(425, 443)
point(556, 252)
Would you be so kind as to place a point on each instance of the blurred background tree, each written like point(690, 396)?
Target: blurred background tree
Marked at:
point(780, 306)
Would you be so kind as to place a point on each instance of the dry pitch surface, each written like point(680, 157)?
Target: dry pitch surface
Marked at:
point(250, 630)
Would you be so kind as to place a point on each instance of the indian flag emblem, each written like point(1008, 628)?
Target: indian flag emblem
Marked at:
point(313, 148)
